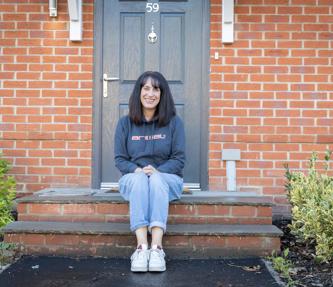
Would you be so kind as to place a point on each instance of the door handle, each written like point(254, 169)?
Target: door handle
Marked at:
point(107, 79)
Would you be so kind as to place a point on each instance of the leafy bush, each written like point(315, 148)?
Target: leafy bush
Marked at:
point(8, 251)
point(7, 193)
point(311, 197)
point(283, 265)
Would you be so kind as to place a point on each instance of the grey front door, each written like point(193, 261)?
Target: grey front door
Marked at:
point(177, 54)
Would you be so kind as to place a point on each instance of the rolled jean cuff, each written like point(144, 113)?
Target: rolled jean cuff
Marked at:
point(157, 224)
point(134, 228)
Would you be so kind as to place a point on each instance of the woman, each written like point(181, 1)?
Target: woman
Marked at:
point(150, 153)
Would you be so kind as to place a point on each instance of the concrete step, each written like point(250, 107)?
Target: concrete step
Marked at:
point(115, 239)
point(195, 208)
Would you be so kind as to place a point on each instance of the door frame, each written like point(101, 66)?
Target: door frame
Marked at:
point(96, 175)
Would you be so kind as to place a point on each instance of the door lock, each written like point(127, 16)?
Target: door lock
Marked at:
point(105, 83)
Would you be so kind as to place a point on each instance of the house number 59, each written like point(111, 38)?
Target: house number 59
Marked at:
point(152, 7)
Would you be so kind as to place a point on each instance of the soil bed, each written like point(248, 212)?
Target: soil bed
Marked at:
point(306, 272)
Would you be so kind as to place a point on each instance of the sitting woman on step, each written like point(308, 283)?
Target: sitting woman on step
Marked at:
point(150, 154)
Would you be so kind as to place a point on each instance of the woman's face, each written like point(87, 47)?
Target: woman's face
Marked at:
point(150, 96)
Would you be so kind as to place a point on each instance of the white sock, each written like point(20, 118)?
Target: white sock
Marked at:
point(155, 246)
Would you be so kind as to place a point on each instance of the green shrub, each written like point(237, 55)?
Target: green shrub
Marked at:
point(311, 197)
point(8, 251)
point(283, 265)
point(7, 193)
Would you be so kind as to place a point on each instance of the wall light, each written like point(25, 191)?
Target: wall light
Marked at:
point(75, 18)
point(53, 8)
point(231, 156)
point(228, 21)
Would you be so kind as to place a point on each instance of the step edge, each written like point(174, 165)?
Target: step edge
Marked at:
point(225, 200)
point(36, 227)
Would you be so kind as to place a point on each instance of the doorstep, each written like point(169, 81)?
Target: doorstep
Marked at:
point(115, 239)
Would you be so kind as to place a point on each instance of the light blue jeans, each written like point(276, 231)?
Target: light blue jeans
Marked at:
point(149, 197)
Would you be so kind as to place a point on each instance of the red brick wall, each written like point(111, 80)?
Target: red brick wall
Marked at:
point(46, 95)
point(271, 90)
point(270, 94)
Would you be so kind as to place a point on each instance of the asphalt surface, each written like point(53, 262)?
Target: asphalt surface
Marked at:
point(100, 272)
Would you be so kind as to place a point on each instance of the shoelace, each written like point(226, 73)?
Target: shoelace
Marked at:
point(160, 252)
point(138, 253)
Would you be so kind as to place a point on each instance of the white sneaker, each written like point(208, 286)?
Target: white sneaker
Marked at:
point(139, 260)
point(156, 260)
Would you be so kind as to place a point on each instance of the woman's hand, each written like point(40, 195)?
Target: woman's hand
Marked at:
point(149, 170)
point(138, 169)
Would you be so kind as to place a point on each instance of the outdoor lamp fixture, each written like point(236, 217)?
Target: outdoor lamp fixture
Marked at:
point(53, 8)
point(231, 156)
point(75, 19)
point(228, 21)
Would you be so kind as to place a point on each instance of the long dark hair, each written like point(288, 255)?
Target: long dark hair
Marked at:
point(165, 109)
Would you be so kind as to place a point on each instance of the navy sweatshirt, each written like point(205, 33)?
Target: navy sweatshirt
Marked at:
point(147, 144)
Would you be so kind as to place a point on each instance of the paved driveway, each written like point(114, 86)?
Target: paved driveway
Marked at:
point(100, 272)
